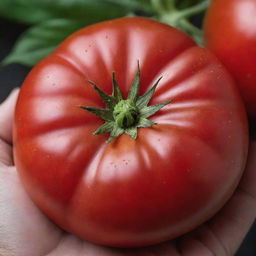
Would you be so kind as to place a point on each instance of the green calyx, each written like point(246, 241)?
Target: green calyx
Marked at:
point(125, 115)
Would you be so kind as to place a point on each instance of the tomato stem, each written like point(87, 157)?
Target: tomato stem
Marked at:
point(172, 16)
point(194, 10)
point(126, 114)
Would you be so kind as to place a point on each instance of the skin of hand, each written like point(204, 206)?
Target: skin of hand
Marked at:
point(25, 231)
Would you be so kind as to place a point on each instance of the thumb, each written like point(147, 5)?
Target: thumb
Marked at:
point(6, 116)
point(6, 121)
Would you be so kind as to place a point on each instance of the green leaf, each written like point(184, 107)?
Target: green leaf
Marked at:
point(107, 127)
point(104, 114)
point(26, 58)
point(37, 11)
point(54, 20)
point(24, 11)
point(116, 91)
point(108, 100)
point(132, 132)
point(134, 91)
point(151, 110)
point(40, 40)
point(144, 100)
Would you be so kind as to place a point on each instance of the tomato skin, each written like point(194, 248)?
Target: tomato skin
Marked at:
point(230, 32)
point(173, 177)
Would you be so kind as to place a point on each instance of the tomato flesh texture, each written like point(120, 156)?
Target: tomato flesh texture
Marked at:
point(230, 32)
point(175, 176)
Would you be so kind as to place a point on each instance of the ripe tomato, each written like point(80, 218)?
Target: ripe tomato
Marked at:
point(173, 177)
point(230, 32)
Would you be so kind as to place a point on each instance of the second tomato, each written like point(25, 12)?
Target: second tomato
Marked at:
point(230, 32)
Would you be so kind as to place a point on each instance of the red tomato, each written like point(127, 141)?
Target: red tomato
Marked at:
point(173, 177)
point(230, 32)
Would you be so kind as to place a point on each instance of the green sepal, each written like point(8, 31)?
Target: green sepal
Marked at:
point(144, 100)
point(115, 133)
point(132, 132)
point(107, 127)
point(110, 101)
point(151, 110)
point(143, 123)
point(116, 91)
point(134, 91)
point(104, 114)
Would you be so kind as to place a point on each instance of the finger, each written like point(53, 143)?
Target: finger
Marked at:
point(6, 120)
point(6, 116)
point(248, 182)
point(24, 230)
point(235, 219)
point(71, 245)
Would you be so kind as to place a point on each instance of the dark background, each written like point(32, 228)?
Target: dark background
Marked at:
point(12, 76)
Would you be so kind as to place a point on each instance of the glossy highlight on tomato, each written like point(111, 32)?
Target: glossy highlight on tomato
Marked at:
point(230, 32)
point(174, 176)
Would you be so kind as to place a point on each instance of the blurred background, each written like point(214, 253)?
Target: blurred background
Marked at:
point(12, 75)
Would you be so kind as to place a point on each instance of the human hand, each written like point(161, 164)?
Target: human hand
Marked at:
point(25, 231)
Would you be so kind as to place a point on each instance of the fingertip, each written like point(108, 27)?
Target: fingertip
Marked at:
point(12, 96)
point(14, 93)
point(6, 116)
